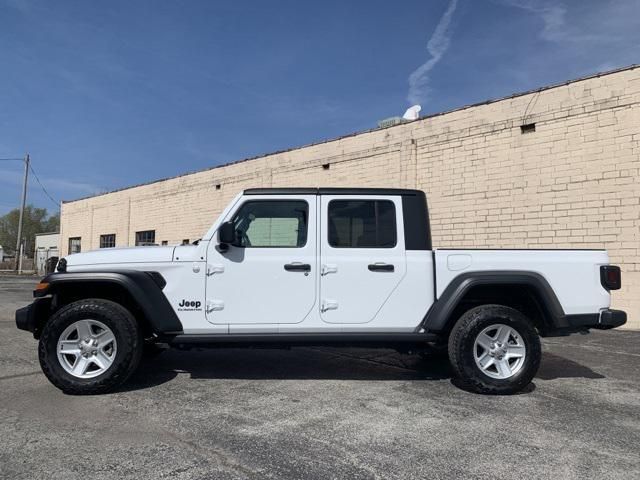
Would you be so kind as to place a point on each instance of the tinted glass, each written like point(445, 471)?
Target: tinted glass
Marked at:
point(272, 223)
point(362, 224)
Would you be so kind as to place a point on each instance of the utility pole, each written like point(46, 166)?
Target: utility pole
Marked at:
point(24, 200)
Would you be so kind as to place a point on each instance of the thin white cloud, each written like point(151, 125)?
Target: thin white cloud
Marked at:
point(23, 6)
point(11, 177)
point(552, 15)
point(437, 46)
point(72, 186)
point(16, 178)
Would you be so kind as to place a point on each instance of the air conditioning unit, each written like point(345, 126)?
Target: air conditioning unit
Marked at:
point(390, 122)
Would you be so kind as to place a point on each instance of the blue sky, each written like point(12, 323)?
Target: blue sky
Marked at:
point(105, 95)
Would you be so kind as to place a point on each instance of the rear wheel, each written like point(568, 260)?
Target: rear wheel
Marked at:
point(90, 346)
point(494, 349)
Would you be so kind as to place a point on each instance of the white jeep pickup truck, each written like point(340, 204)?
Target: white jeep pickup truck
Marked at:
point(318, 266)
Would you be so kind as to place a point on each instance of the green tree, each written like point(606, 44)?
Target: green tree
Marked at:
point(52, 224)
point(35, 220)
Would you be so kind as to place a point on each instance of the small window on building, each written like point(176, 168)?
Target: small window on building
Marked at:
point(108, 240)
point(185, 241)
point(528, 128)
point(74, 245)
point(164, 242)
point(146, 237)
point(362, 224)
point(272, 223)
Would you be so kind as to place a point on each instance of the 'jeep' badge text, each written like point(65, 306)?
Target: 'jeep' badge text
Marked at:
point(189, 306)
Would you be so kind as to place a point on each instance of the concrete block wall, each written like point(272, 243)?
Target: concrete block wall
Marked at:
point(574, 182)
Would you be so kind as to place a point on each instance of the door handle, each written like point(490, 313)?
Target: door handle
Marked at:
point(381, 267)
point(297, 267)
point(328, 268)
point(215, 306)
point(328, 304)
point(213, 269)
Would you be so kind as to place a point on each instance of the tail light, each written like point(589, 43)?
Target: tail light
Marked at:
point(610, 277)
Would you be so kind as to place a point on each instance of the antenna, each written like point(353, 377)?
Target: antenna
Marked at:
point(412, 113)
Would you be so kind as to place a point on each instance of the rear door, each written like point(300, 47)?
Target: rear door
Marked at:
point(362, 256)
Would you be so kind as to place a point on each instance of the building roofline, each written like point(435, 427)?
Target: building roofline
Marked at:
point(333, 191)
point(47, 233)
point(361, 132)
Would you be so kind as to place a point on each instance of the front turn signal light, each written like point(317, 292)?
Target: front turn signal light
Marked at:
point(40, 289)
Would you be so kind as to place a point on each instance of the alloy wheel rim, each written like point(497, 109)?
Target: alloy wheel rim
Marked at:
point(86, 348)
point(499, 351)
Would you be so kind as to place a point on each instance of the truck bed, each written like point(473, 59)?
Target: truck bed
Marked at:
point(574, 275)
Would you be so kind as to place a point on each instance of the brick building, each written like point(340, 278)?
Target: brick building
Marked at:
point(556, 167)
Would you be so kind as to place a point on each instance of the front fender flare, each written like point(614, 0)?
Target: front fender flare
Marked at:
point(145, 289)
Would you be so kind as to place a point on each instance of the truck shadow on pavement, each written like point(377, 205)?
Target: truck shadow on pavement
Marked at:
point(554, 366)
point(307, 363)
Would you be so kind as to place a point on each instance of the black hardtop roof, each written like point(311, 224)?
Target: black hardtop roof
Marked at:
point(333, 191)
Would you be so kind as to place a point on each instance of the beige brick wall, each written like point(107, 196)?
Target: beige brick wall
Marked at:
point(573, 183)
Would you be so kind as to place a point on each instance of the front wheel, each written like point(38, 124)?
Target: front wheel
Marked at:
point(90, 346)
point(494, 349)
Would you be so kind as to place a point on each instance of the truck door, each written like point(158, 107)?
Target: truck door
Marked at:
point(271, 277)
point(362, 256)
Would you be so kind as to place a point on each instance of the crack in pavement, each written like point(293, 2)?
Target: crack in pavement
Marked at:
point(592, 347)
point(18, 375)
point(206, 452)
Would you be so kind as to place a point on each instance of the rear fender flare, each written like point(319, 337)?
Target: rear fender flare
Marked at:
point(438, 318)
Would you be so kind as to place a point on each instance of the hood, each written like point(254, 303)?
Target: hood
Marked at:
point(122, 255)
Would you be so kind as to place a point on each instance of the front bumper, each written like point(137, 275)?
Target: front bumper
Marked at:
point(32, 317)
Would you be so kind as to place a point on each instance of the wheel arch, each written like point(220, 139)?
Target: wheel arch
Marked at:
point(525, 291)
point(139, 292)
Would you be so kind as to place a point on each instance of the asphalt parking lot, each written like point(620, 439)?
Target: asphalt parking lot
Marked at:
point(321, 413)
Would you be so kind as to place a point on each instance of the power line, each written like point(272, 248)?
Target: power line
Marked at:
point(42, 187)
point(35, 176)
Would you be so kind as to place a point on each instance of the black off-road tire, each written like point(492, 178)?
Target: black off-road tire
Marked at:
point(461, 349)
point(125, 329)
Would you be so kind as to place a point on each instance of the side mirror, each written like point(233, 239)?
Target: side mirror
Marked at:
point(227, 234)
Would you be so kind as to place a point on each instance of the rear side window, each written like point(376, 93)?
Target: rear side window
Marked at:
point(272, 224)
point(362, 224)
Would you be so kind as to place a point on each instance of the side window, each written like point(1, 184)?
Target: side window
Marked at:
point(74, 245)
point(362, 224)
point(272, 223)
